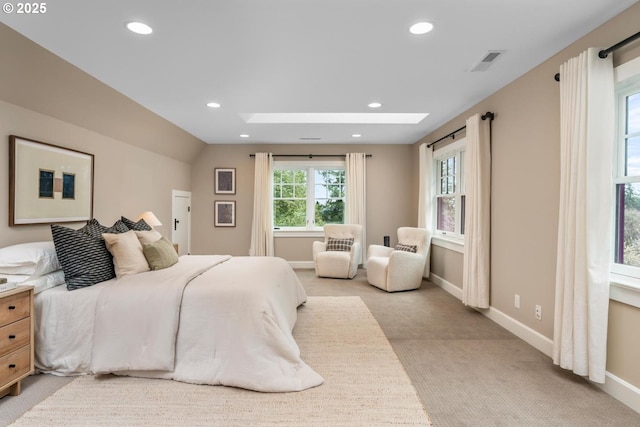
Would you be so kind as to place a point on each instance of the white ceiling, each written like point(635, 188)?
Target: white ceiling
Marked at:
point(308, 56)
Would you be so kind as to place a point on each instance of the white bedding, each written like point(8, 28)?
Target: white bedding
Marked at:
point(235, 324)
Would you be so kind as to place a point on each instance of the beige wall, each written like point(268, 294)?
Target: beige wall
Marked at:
point(525, 194)
point(389, 173)
point(38, 80)
point(139, 157)
point(128, 180)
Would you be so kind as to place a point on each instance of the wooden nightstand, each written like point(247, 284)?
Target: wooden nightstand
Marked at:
point(16, 338)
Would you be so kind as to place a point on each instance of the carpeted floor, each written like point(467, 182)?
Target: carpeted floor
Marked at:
point(467, 370)
point(365, 385)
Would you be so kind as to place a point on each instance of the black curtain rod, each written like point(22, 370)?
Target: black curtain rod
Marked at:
point(605, 52)
point(488, 115)
point(311, 156)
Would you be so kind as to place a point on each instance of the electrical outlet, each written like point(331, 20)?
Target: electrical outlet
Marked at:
point(538, 312)
point(517, 301)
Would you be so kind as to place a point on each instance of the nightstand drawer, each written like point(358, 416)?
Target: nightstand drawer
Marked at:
point(15, 365)
point(14, 336)
point(14, 307)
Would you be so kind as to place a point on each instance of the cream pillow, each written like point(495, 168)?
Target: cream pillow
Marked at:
point(147, 237)
point(127, 253)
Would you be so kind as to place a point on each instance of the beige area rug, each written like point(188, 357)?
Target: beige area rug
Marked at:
point(365, 385)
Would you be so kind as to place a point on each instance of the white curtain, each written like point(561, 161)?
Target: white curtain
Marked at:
point(356, 194)
point(262, 225)
point(585, 218)
point(425, 197)
point(476, 268)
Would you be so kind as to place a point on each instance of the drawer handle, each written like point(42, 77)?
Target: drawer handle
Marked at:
point(12, 366)
point(12, 337)
point(12, 307)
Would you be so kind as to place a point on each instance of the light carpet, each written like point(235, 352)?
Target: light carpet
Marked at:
point(365, 384)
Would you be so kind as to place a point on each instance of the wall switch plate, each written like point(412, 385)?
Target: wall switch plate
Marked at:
point(517, 301)
point(538, 312)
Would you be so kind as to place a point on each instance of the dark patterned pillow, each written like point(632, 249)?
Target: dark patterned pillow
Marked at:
point(95, 229)
point(141, 225)
point(406, 248)
point(343, 245)
point(85, 259)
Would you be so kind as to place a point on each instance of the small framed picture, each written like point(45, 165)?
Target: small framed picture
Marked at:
point(224, 213)
point(225, 180)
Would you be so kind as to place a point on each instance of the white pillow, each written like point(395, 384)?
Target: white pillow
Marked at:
point(147, 237)
point(34, 259)
point(15, 278)
point(47, 281)
point(126, 250)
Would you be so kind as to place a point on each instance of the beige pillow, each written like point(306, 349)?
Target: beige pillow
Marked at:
point(127, 253)
point(148, 236)
point(160, 254)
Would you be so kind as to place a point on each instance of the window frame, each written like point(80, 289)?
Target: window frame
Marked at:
point(624, 89)
point(310, 229)
point(457, 150)
point(625, 288)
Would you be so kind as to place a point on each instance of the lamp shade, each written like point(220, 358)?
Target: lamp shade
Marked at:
point(149, 218)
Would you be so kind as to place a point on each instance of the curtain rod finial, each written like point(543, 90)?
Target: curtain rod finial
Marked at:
point(488, 115)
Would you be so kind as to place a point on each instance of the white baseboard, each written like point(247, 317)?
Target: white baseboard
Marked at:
point(522, 331)
point(621, 390)
point(447, 286)
point(301, 264)
point(614, 386)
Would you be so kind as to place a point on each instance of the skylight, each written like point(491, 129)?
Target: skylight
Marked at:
point(336, 118)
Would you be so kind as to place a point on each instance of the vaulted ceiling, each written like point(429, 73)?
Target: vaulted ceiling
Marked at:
point(310, 68)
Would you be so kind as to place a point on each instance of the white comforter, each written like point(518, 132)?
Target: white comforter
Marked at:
point(234, 326)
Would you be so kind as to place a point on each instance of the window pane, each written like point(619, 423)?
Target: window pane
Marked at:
point(446, 214)
point(329, 212)
point(462, 211)
point(633, 113)
point(289, 213)
point(300, 191)
point(628, 224)
point(287, 190)
point(632, 161)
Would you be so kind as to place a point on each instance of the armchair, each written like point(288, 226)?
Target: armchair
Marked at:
point(400, 268)
point(339, 255)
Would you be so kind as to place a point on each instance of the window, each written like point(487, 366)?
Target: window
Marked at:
point(449, 191)
point(627, 180)
point(308, 195)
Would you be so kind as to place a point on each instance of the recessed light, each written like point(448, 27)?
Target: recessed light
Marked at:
point(244, 135)
point(421, 28)
point(213, 105)
point(356, 135)
point(375, 105)
point(139, 28)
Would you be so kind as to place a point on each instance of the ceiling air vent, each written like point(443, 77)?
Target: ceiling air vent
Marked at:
point(308, 138)
point(487, 60)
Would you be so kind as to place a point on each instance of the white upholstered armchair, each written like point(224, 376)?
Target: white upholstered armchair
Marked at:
point(400, 268)
point(339, 255)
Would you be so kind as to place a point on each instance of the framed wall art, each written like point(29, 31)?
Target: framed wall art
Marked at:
point(224, 213)
point(48, 183)
point(225, 180)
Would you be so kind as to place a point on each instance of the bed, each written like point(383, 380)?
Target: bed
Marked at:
point(208, 319)
point(235, 323)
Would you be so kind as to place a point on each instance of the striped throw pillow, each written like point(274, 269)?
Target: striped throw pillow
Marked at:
point(406, 248)
point(343, 245)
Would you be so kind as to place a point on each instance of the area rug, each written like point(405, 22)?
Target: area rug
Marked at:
point(365, 385)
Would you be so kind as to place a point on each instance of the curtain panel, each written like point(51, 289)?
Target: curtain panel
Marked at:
point(262, 223)
point(587, 115)
point(477, 244)
point(356, 194)
point(425, 198)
